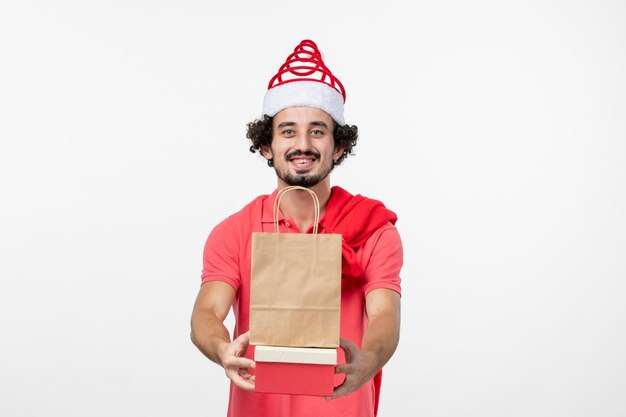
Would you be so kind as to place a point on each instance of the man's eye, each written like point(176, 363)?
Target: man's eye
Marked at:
point(288, 132)
point(317, 132)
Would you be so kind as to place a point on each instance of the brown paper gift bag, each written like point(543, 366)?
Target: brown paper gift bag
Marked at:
point(295, 288)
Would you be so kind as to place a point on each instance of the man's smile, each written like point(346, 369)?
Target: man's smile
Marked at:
point(302, 160)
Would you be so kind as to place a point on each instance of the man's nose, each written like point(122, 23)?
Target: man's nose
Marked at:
point(303, 141)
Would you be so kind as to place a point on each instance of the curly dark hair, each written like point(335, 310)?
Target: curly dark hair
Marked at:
point(260, 133)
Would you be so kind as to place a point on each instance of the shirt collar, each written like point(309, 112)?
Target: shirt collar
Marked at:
point(268, 209)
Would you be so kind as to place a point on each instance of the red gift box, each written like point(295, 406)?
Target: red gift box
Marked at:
point(287, 370)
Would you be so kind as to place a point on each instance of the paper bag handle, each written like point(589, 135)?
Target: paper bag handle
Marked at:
point(316, 203)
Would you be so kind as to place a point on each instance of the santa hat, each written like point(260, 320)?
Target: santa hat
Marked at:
point(304, 80)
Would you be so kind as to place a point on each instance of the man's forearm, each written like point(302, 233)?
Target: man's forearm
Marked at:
point(383, 331)
point(381, 339)
point(209, 335)
point(211, 308)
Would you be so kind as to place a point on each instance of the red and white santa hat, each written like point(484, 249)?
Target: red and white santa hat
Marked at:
point(304, 80)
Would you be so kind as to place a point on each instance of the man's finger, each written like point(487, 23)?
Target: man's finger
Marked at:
point(239, 362)
point(239, 381)
point(342, 389)
point(349, 348)
point(243, 338)
point(347, 344)
point(240, 344)
point(344, 368)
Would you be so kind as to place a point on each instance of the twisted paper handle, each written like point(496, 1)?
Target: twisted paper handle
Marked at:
point(316, 203)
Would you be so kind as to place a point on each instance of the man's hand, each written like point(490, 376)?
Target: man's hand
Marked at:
point(379, 341)
point(359, 368)
point(236, 366)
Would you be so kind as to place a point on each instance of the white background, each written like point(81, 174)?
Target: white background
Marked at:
point(496, 131)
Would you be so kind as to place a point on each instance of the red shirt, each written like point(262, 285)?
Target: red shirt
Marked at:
point(227, 258)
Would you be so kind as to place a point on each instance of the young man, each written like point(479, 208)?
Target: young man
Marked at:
point(303, 135)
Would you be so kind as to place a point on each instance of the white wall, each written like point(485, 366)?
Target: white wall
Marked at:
point(496, 130)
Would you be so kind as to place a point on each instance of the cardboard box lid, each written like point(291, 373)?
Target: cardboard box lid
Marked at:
point(320, 356)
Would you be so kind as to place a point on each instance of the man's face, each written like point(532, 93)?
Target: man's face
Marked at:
point(303, 148)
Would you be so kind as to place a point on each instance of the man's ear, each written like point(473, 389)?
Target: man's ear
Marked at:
point(266, 151)
point(338, 152)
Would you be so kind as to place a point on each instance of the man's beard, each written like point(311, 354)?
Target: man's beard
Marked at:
point(302, 179)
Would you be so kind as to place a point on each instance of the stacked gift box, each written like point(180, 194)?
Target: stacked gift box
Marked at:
point(285, 370)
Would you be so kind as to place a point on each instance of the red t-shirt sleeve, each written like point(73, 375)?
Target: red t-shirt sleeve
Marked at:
point(221, 255)
point(383, 260)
